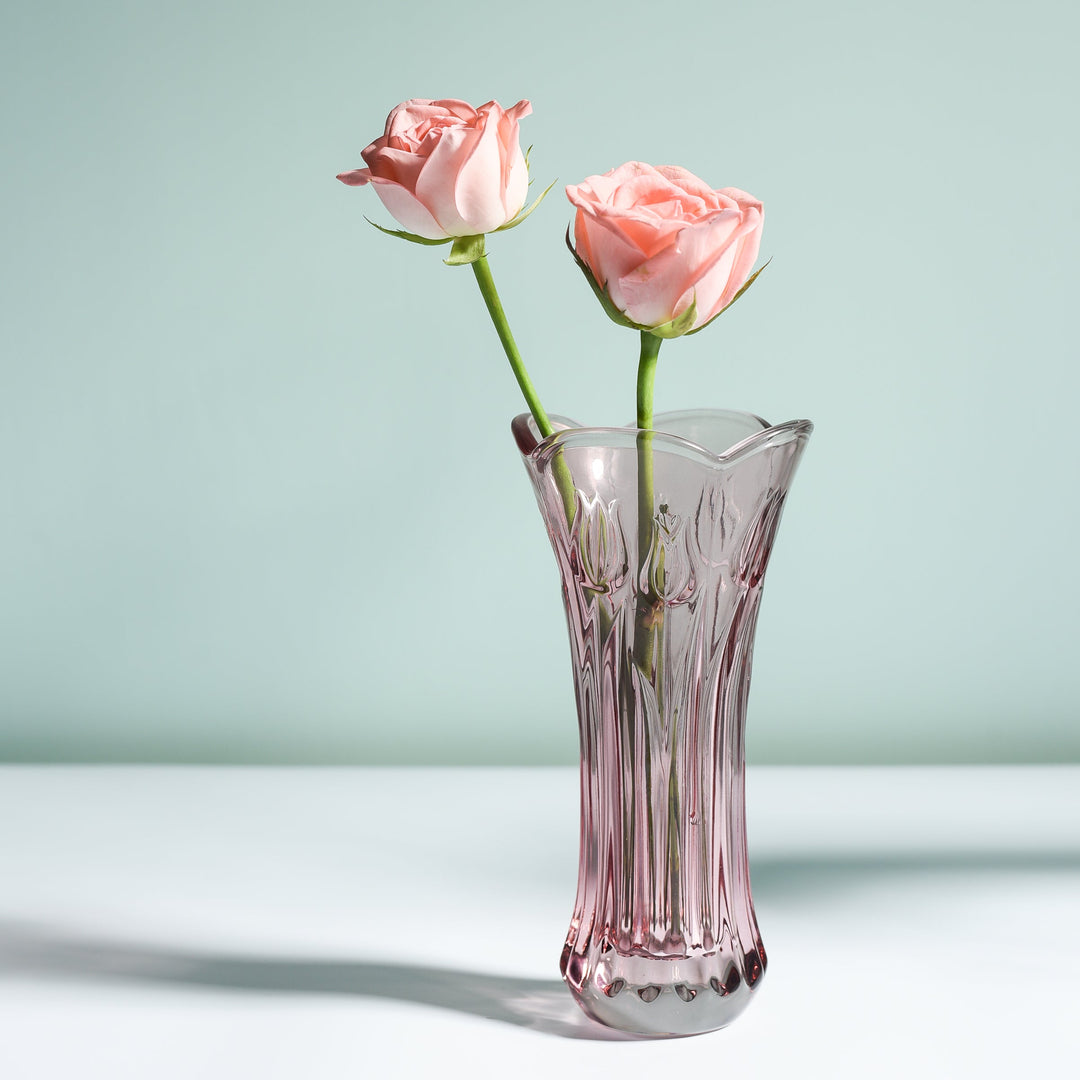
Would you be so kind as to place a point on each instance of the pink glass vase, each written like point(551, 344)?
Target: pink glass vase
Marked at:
point(662, 539)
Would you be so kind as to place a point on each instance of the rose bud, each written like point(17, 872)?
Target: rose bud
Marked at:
point(663, 250)
point(444, 169)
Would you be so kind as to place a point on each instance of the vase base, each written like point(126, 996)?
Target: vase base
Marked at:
point(661, 997)
point(662, 1012)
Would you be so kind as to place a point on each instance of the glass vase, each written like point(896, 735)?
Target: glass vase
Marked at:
point(662, 539)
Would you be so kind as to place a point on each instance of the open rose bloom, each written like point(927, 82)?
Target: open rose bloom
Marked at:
point(444, 169)
point(657, 240)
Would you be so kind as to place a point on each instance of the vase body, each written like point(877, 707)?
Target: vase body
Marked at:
point(662, 540)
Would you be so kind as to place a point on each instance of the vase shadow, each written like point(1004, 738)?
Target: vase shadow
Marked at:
point(542, 1005)
point(804, 877)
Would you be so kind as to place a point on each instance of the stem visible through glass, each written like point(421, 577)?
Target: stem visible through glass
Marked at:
point(649, 621)
point(649, 610)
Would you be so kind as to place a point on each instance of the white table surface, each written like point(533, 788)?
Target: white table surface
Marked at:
point(348, 923)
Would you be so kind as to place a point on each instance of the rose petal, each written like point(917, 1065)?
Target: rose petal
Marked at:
point(478, 187)
point(398, 165)
point(438, 176)
point(649, 233)
point(636, 202)
point(461, 109)
point(642, 189)
point(515, 184)
point(708, 291)
point(515, 176)
point(406, 116)
point(584, 249)
point(371, 151)
point(655, 290)
point(743, 200)
point(519, 111)
point(627, 172)
point(693, 185)
point(745, 246)
point(607, 252)
point(407, 209)
point(355, 177)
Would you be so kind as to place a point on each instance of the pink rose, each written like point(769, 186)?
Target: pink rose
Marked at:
point(443, 168)
point(658, 239)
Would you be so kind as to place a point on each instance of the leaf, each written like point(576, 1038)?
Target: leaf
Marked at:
point(401, 234)
point(523, 214)
point(613, 313)
point(466, 249)
point(746, 285)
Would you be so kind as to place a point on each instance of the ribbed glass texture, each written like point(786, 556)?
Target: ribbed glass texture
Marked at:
point(662, 540)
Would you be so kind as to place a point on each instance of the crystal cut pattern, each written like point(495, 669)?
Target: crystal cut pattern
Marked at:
point(662, 581)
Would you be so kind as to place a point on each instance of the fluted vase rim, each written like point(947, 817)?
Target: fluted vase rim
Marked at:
point(573, 434)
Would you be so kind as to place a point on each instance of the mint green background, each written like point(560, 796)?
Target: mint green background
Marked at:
point(259, 497)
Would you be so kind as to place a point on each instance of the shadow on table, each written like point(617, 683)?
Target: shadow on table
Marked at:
point(812, 877)
point(537, 1004)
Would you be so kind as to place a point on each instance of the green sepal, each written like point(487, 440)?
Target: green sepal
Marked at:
point(612, 312)
point(401, 234)
point(521, 215)
point(466, 249)
point(679, 325)
point(746, 285)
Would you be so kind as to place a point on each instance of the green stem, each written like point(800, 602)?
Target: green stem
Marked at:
point(502, 327)
point(648, 631)
point(646, 377)
point(563, 480)
point(649, 609)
